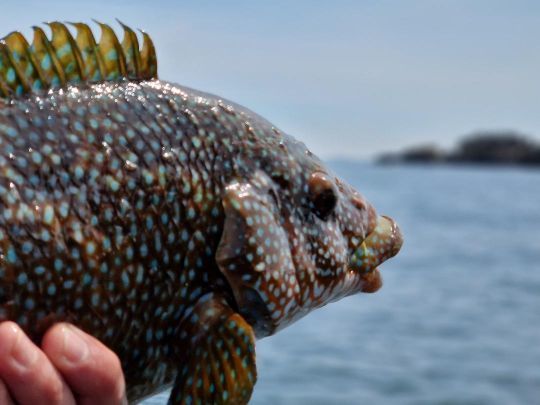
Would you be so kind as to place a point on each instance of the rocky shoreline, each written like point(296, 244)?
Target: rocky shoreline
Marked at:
point(496, 148)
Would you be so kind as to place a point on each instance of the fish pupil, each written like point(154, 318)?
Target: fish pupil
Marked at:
point(324, 203)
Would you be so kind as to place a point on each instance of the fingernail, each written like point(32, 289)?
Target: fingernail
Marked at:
point(23, 351)
point(75, 347)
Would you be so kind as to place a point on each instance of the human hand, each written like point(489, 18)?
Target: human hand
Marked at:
point(71, 367)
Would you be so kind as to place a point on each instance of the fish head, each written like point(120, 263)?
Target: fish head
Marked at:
point(297, 237)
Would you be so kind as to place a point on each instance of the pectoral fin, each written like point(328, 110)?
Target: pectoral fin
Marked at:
point(220, 366)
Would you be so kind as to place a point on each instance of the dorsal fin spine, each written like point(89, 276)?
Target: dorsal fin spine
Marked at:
point(63, 59)
point(4, 66)
point(130, 46)
point(24, 61)
point(4, 89)
point(14, 77)
point(148, 58)
point(49, 62)
point(92, 59)
point(67, 52)
point(112, 53)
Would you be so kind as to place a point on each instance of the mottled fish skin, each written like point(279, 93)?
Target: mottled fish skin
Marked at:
point(126, 207)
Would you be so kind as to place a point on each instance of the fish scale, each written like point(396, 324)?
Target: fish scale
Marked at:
point(173, 225)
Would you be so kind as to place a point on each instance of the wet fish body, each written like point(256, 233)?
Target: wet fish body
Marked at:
point(175, 226)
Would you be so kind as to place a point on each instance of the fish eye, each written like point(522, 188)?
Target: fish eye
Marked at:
point(322, 194)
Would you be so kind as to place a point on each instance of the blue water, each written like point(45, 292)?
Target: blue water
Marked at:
point(458, 319)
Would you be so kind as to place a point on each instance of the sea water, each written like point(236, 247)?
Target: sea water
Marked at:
point(458, 318)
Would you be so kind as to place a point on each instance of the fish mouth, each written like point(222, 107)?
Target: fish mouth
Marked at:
point(383, 243)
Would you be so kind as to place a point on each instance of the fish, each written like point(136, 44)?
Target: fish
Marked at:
point(174, 225)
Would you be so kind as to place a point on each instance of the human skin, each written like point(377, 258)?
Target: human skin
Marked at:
point(70, 367)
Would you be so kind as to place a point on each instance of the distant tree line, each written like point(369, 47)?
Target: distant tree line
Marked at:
point(497, 147)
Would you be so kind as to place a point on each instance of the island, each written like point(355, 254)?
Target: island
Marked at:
point(495, 147)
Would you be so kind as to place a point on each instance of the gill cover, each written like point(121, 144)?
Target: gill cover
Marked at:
point(255, 256)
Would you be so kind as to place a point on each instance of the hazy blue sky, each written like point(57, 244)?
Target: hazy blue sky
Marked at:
point(350, 78)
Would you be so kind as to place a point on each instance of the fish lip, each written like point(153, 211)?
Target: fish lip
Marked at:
point(381, 244)
point(396, 236)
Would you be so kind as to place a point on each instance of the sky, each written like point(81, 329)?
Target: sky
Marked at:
point(349, 78)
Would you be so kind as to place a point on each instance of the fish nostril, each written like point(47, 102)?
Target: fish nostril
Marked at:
point(359, 203)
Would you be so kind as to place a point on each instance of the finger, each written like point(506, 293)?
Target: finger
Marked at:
point(92, 370)
point(5, 398)
point(27, 373)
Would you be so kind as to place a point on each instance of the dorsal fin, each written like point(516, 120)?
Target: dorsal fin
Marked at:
point(130, 45)
point(45, 55)
point(11, 78)
point(148, 57)
point(112, 53)
point(64, 60)
point(93, 62)
point(67, 53)
point(23, 61)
